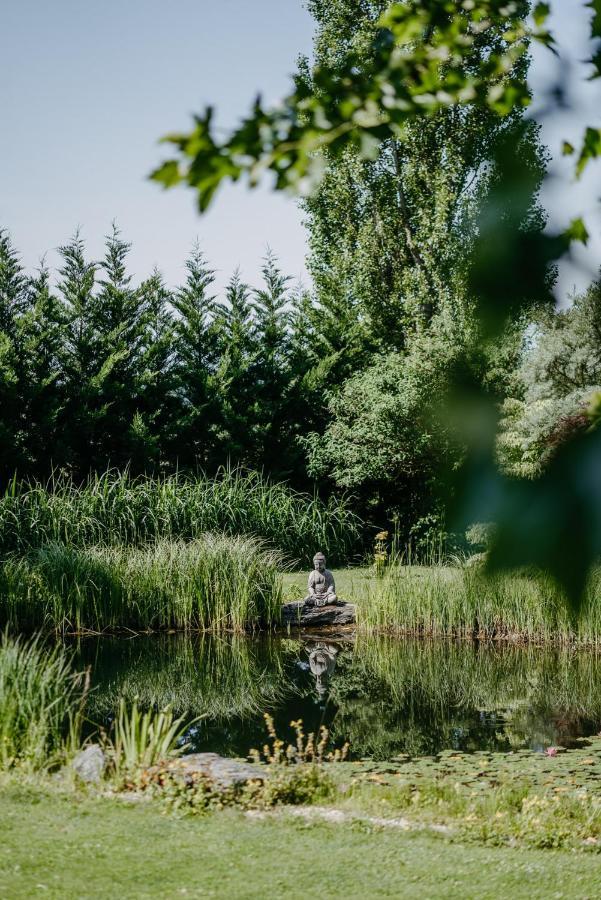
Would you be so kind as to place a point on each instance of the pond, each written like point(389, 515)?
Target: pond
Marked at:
point(385, 696)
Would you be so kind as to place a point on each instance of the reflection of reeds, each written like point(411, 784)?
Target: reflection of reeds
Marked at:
point(421, 695)
point(447, 675)
point(218, 677)
point(115, 508)
point(214, 582)
point(462, 601)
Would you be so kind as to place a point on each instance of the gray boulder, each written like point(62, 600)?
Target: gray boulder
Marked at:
point(298, 613)
point(89, 764)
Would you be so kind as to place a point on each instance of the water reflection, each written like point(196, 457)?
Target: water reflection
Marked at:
point(387, 697)
point(322, 662)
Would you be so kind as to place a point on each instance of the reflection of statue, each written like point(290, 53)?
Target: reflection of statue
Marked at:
point(322, 662)
point(322, 591)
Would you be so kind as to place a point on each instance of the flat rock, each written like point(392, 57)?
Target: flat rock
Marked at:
point(296, 613)
point(220, 770)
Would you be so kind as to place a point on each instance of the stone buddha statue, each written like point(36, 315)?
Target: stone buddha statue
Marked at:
point(322, 591)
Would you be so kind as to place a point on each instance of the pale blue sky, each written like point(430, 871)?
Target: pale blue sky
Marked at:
point(88, 87)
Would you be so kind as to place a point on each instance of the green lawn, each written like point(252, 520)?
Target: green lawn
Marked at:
point(56, 846)
point(351, 584)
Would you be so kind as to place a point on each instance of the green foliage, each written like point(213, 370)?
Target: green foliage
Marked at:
point(524, 798)
point(392, 233)
point(139, 740)
point(559, 373)
point(41, 703)
point(419, 66)
point(215, 582)
point(382, 440)
point(116, 509)
point(448, 600)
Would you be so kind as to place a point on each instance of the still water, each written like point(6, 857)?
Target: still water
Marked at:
point(385, 696)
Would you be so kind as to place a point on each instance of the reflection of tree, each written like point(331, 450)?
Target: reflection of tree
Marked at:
point(218, 677)
point(386, 696)
point(420, 697)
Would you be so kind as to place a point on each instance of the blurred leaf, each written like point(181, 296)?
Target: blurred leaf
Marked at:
point(567, 149)
point(540, 13)
point(591, 149)
point(595, 5)
point(167, 174)
point(577, 231)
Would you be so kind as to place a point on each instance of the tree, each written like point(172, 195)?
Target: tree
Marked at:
point(13, 302)
point(271, 370)
point(559, 374)
point(393, 233)
point(153, 433)
point(42, 336)
point(196, 353)
point(235, 383)
point(78, 278)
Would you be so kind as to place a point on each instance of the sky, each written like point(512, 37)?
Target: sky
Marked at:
point(89, 87)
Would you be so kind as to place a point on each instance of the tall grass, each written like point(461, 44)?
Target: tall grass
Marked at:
point(115, 508)
point(461, 600)
point(213, 582)
point(41, 703)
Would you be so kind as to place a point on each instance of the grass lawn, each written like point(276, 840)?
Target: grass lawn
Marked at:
point(53, 845)
point(351, 584)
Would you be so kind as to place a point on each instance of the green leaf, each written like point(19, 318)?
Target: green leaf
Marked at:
point(167, 174)
point(567, 149)
point(577, 231)
point(595, 5)
point(591, 149)
point(540, 13)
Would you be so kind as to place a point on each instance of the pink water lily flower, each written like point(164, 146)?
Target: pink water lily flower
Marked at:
point(551, 751)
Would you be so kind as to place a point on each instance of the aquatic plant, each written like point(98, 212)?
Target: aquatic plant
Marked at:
point(462, 600)
point(214, 582)
point(114, 509)
point(41, 703)
point(139, 740)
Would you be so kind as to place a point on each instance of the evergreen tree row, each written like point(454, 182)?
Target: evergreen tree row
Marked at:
point(98, 372)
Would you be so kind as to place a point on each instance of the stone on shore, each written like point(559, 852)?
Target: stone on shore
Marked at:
point(89, 764)
point(222, 772)
point(296, 613)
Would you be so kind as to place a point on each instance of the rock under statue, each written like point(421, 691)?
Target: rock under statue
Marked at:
point(322, 590)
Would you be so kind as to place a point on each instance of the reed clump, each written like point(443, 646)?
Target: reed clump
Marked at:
point(463, 600)
point(214, 582)
point(115, 508)
point(41, 703)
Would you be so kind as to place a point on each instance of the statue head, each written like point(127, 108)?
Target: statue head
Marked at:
point(319, 562)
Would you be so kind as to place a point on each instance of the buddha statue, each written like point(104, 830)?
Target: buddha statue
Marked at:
point(322, 590)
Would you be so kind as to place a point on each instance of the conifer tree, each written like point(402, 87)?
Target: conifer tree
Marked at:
point(120, 324)
point(272, 320)
point(13, 286)
point(42, 335)
point(196, 349)
point(13, 301)
point(78, 278)
point(153, 432)
point(235, 378)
